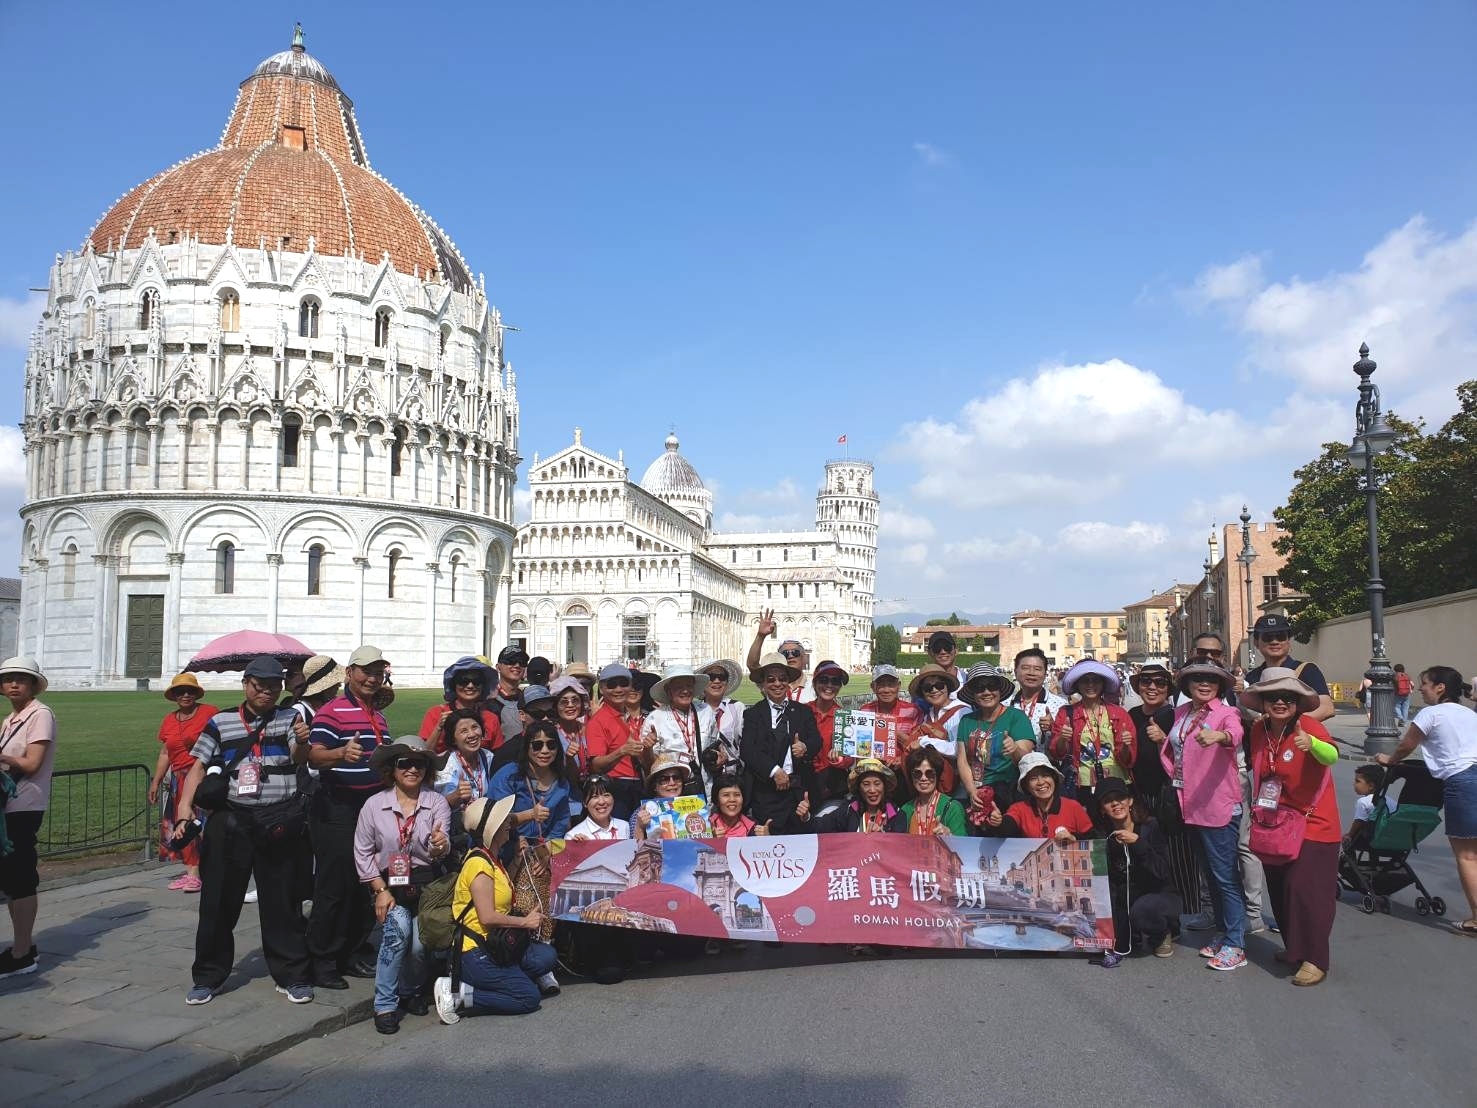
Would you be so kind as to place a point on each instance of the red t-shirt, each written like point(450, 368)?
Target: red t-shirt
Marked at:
point(1069, 814)
point(1301, 775)
point(606, 733)
point(179, 737)
point(492, 728)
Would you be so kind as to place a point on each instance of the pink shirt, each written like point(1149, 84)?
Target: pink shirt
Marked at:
point(1212, 785)
point(32, 724)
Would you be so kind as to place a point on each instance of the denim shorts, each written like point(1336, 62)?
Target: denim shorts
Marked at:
point(1461, 804)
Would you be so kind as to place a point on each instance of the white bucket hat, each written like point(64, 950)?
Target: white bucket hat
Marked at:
point(1036, 760)
point(660, 693)
point(25, 663)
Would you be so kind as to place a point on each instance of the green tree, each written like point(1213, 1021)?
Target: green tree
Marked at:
point(886, 642)
point(953, 620)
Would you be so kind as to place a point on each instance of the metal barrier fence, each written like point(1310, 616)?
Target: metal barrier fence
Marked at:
point(98, 809)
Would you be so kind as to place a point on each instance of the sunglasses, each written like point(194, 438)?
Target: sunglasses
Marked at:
point(933, 686)
point(543, 744)
point(1198, 680)
point(668, 779)
point(791, 653)
point(776, 679)
point(923, 774)
point(1276, 636)
point(539, 713)
point(1154, 682)
point(616, 683)
point(829, 682)
point(461, 681)
point(1201, 652)
point(717, 677)
point(1281, 698)
point(516, 665)
point(408, 764)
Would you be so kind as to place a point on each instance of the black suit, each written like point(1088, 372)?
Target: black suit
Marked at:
point(763, 748)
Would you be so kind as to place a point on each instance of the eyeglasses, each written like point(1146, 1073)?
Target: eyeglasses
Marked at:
point(933, 686)
point(922, 774)
point(543, 744)
point(616, 683)
point(1154, 682)
point(1273, 636)
point(265, 685)
point(539, 713)
point(791, 653)
point(571, 698)
point(1280, 698)
point(408, 764)
point(776, 679)
point(829, 682)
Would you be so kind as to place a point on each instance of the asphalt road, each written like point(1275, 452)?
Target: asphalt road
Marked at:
point(809, 1026)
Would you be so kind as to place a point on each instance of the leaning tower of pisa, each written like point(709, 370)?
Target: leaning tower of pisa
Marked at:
point(846, 507)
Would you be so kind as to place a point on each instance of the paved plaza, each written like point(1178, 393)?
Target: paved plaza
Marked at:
point(104, 1022)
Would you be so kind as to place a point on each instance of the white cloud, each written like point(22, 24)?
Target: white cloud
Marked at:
point(931, 156)
point(522, 505)
point(1411, 298)
point(18, 318)
point(12, 460)
point(1096, 539)
point(898, 523)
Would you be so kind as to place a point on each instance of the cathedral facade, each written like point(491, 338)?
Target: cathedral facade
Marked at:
point(267, 392)
point(611, 569)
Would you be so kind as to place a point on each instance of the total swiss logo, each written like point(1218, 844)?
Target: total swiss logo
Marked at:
point(768, 866)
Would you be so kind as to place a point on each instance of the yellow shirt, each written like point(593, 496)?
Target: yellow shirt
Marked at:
point(502, 896)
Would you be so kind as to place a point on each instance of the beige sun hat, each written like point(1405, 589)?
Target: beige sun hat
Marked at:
point(933, 669)
point(734, 671)
point(661, 691)
point(321, 673)
point(25, 663)
point(774, 658)
point(483, 818)
point(1278, 679)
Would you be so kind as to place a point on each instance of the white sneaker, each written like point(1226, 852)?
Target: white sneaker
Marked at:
point(250, 897)
point(446, 1001)
point(548, 984)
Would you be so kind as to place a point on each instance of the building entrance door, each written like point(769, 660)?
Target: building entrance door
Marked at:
point(577, 644)
point(144, 646)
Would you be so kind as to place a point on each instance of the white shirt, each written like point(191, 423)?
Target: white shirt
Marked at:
point(1045, 709)
point(684, 745)
point(589, 829)
point(1450, 745)
point(1364, 807)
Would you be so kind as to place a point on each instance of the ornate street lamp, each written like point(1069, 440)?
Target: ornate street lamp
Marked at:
point(1372, 437)
point(1246, 557)
point(1209, 593)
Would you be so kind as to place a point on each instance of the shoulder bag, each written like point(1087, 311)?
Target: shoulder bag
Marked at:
point(1277, 836)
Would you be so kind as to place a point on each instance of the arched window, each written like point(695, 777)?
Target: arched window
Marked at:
point(292, 430)
point(225, 567)
point(394, 557)
point(307, 318)
point(148, 309)
point(445, 335)
point(140, 439)
point(456, 564)
point(315, 570)
point(69, 571)
point(230, 311)
point(382, 327)
point(89, 318)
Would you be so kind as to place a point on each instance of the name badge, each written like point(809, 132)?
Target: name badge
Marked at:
point(1269, 794)
point(399, 868)
point(249, 779)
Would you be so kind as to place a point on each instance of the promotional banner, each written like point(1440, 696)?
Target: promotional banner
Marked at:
point(903, 890)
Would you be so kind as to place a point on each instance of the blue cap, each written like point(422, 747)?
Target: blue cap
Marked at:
point(615, 669)
point(532, 693)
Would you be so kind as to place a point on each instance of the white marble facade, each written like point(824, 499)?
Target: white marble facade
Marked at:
point(607, 569)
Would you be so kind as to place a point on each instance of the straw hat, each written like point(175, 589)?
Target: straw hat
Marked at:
point(184, 682)
point(1154, 669)
point(1278, 679)
point(774, 658)
point(872, 765)
point(1203, 669)
point(933, 669)
point(483, 818)
point(731, 668)
point(321, 673)
point(661, 691)
point(666, 762)
point(1091, 667)
point(24, 663)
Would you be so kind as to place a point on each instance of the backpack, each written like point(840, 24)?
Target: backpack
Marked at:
point(1402, 684)
point(438, 928)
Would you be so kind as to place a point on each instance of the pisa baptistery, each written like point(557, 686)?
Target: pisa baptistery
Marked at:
point(266, 392)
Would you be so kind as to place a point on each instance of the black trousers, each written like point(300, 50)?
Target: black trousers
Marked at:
point(342, 917)
point(228, 861)
point(1149, 918)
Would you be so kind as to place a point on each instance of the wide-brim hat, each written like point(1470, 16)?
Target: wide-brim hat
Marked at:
point(483, 817)
point(580, 670)
point(982, 672)
point(774, 658)
point(321, 673)
point(186, 682)
point(1203, 669)
point(407, 746)
point(666, 762)
point(661, 691)
point(1034, 761)
point(733, 671)
point(865, 766)
point(1278, 679)
point(468, 664)
point(933, 669)
point(1090, 667)
point(567, 683)
point(1154, 669)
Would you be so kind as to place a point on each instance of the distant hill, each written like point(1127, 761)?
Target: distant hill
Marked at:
point(910, 619)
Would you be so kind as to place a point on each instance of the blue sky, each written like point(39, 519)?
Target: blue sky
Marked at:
point(1080, 279)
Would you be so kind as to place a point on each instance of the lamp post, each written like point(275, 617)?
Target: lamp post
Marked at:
point(1209, 594)
point(1246, 557)
point(1372, 437)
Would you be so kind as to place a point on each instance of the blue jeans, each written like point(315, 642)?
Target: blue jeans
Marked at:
point(401, 966)
point(1221, 845)
point(506, 990)
point(1402, 709)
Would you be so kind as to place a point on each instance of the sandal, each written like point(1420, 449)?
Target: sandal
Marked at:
point(1466, 927)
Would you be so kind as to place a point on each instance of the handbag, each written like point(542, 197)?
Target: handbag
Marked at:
point(1277, 836)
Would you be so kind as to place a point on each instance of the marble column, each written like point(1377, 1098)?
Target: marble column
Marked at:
point(483, 623)
point(362, 565)
point(41, 565)
point(274, 574)
point(172, 598)
point(433, 577)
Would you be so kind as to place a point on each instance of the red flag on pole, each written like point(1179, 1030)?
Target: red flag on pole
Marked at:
point(841, 439)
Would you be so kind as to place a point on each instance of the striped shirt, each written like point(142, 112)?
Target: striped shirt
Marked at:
point(273, 750)
point(338, 721)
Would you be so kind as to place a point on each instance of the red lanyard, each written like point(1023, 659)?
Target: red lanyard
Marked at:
point(1273, 749)
point(478, 779)
point(686, 730)
point(406, 827)
point(257, 742)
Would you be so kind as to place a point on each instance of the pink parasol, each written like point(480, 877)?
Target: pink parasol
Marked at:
point(233, 651)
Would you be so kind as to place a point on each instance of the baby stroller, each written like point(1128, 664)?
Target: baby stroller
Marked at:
point(1377, 864)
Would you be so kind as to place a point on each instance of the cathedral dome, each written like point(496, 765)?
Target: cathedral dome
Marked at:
point(672, 474)
point(291, 166)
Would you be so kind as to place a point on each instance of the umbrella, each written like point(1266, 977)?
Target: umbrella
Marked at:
point(233, 651)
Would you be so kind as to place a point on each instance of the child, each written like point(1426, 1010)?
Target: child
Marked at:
point(1367, 782)
point(729, 821)
point(599, 805)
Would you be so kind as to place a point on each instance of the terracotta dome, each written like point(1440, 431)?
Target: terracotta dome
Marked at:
point(290, 166)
